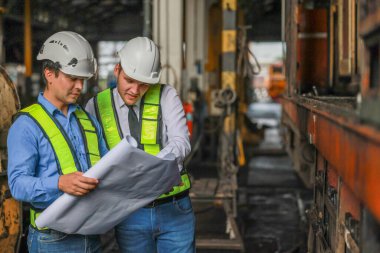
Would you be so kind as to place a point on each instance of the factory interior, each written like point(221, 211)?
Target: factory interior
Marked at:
point(281, 100)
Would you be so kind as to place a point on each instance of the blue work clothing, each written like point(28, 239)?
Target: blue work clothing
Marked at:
point(168, 227)
point(57, 242)
point(32, 168)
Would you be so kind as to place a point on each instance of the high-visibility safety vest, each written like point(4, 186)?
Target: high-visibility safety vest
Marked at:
point(67, 162)
point(150, 124)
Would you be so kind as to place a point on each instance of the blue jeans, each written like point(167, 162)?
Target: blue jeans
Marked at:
point(166, 228)
point(54, 241)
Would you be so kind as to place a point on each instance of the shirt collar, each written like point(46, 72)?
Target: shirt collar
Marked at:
point(51, 108)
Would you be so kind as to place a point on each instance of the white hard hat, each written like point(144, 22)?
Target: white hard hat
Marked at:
point(140, 60)
point(72, 52)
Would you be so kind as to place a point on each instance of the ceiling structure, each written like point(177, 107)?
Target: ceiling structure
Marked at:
point(110, 20)
point(96, 20)
point(264, 17)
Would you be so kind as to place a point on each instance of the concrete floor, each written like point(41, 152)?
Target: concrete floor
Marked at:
point(271, 203)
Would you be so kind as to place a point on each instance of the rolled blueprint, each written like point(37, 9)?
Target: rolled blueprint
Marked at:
point(129, 179)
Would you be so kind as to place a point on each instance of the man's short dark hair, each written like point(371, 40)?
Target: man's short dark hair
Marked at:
point(52, 66)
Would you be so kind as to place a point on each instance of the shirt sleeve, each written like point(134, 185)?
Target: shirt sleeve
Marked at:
point(23, 158)
point(90, 107)
point(174, 124)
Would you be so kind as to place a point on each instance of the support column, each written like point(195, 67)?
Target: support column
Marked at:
point(168, 34)
point(228, 75)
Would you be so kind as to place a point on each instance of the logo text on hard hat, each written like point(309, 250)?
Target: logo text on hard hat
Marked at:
point(73, 62)
point(59, 43)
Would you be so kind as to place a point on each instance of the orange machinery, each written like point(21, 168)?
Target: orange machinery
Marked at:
point(332, 119)
point(277, 81)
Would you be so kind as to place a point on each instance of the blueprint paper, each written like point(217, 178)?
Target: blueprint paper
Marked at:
point(129, 179)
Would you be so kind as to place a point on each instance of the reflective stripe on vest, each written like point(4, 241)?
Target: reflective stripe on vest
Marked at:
point(63, 151)
point(105, 113)
point(150, 115)
point(90, 137)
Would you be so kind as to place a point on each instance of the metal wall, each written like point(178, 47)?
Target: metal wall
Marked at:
point(333, 125)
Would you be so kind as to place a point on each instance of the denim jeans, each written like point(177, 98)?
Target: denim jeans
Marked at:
point(53, 241)
point(166, 228)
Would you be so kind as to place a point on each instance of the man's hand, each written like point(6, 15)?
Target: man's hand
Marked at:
point(76, 184)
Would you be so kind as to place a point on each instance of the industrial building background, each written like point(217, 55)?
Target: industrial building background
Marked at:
point(282, 99)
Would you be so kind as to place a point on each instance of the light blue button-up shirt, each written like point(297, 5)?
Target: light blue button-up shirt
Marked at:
point(32, 167)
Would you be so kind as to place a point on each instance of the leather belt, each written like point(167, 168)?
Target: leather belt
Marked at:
point(158, 202)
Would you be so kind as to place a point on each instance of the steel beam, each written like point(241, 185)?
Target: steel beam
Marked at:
point(351, 147)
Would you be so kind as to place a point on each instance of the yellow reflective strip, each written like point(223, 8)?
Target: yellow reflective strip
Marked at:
point(150, 112)
point(87, 124)
point(186, 181)
point(93, 147)
point(90, 135)
point(153, 94)
point(149, 124)
point(57, 140)
point(149, 132)
point(152, 149)
point(33, 216)
point(107, 118)
point(94, 159)
point(178, 189)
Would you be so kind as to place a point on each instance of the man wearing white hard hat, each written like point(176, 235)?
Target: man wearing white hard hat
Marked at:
point(54, 141)
point(153, 114)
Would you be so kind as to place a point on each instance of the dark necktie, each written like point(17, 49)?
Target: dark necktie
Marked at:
point(134, 125)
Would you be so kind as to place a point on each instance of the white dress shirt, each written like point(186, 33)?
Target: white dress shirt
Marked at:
point(175, 134)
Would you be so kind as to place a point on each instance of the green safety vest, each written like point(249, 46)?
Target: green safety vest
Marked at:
point(150, 117)
point(67, 162)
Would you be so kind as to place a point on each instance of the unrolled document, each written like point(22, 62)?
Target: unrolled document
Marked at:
point(129, 179)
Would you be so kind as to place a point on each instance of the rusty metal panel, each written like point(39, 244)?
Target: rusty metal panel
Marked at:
point(214, 28)
point(370, 84)
point(346, 37)
point(312, 45)
point(331, 206)
point(349, 146)
point(291, 7)
point(348, 220)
